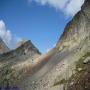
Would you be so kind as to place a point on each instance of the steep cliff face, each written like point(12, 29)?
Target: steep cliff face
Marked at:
point(3, 47)
point(77, 29)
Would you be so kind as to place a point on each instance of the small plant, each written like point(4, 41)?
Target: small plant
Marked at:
point(63, 81)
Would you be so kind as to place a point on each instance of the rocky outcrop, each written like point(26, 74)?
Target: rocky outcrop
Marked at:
point(3, 47)
point(27, 48)
point(77, 29)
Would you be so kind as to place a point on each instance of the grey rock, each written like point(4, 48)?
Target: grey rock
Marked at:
point(77, 29)
point(87, 60)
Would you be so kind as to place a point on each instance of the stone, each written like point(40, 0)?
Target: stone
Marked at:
point(79, 69)
point(87, 60)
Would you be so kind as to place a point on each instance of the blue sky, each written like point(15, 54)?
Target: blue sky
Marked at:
point(41, 21)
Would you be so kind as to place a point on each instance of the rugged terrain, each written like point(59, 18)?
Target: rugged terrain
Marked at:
point(65, 67)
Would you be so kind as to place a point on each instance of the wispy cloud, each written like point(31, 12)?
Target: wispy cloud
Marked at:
point(10, 39)
point(69, 7)
point(73, 7)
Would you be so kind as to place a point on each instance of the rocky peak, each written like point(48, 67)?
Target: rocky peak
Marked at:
point(27, 52)
point(22, 41)
point(27, 47)
point(3, 47)
point(86, 8)
point(77, 29)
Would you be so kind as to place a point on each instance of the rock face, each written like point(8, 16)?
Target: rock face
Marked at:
point(77, 29)
point(3, 47)
point(27, 48)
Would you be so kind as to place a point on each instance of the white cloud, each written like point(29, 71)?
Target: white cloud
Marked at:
point(48, 50)
point(7, 36)
point(69, 7)
point(74, 6)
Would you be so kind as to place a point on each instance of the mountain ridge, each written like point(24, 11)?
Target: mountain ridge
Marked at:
point(73, 33)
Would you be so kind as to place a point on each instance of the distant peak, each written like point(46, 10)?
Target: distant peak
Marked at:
point(77, 29)
point(22, 41)
point(3, 47)
point(28, 46)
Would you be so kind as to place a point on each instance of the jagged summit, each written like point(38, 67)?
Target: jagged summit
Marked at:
point(25, 51)
point(77, 29)
point(3, 47)
point(22, 41)
point(26, 47)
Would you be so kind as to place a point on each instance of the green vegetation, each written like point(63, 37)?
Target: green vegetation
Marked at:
point(81, 78)
point(75, 78)
point(80, 62)
point(63, 81)
point(8, 76)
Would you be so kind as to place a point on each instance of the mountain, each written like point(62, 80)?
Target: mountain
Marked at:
point(25, 51)
point(27, 48)
point(65, 67)
point(77, 29)
point(14, 64)
point(3, 47)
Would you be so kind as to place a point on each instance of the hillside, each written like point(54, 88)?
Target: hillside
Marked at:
point(14, 64)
